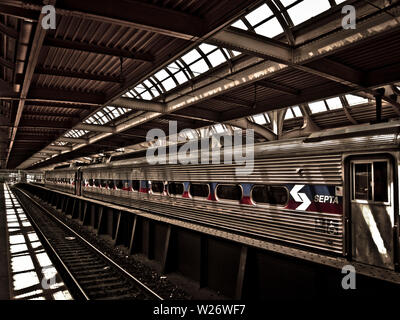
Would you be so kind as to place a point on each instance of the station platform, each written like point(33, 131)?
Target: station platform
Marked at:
point(26, 271)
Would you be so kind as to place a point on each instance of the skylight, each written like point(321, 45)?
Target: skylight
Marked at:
point(293, 112)
point(263, 21)
point(240, 25)
point(318, 106)
point(190, 65)
point(355, 100)
point(260, 119)
point(219, 128)
point(106, 115)
point(75, 133)
point(307, 9)
point(270, 29)
point(334, 103)
point(199, 67)
point(191, 56)
point(258, 15)
point(207, 56)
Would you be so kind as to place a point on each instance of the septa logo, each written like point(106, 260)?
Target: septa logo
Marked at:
point(300, 197)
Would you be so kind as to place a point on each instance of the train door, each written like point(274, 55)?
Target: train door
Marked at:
point(78, 182)
point(372, 216)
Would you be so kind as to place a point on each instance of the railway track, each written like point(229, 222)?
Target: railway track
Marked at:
point(89, 273)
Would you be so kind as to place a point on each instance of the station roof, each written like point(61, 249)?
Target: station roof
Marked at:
point(109, 72)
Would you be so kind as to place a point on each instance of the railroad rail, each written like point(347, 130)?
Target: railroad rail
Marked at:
point(92, 275)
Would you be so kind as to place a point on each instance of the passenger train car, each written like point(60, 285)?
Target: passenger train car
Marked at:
point(335, 192)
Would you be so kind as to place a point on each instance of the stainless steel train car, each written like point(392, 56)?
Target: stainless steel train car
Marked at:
point(335, 191)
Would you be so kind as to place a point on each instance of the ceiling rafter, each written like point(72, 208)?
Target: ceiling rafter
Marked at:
point(36, 46)
point(136, 14)
point(76, 74)
point(97, 49)
point(10, 32)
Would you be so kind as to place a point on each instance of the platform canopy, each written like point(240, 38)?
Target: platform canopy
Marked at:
point(112, 70)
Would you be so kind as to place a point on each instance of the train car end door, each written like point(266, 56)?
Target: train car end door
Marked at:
point(372, 206)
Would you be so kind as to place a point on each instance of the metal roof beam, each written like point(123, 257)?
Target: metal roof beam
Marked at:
point(198, 114)
point(311, 94)
point(305, 57)
point(72, 140)
point(260, 130)
point(65, 96)
point(251, 44)
point(133, 14)
point(6, 63)
point(49, 105)
point(49, 151)
point(278, 87)
point(56, 148)
point(36, 46)
point(50, 114)
point(137, 104)
point(335, 71)
point(78, 75)
point(39, 157)
point(65, 125)
point(139, 15)
point(94, 127)
point(20, 11)
point(12, 33)
point(80, 46)
point(235, 101)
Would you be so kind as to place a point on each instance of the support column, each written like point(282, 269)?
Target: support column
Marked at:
point(115, 239)
point(100, 224)
point(85, 209)
point(148, 239)
point(378, 98)
point(164, 265)
point(131, 249)
point(73, 208)
point(241, 273)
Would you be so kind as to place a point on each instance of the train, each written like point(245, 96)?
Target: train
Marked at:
point(334, 192)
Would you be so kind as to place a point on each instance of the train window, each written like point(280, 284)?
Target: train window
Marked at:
point(380, 181)
point(120, 184)
point(97, 182)
point(135, 185)
point(111, 184)
point(362, 180)
point(91, 182)
point(199, 190)
point(157, 186)
point(370, 181)
point(175, 188)
point(229, 192)
point(275, 195)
